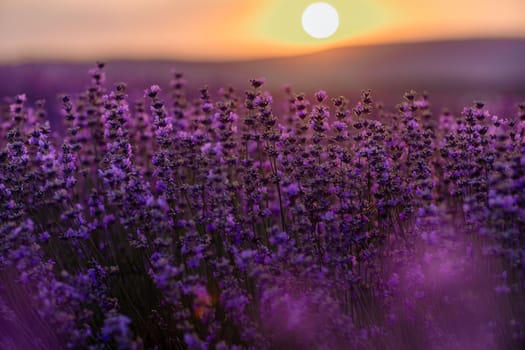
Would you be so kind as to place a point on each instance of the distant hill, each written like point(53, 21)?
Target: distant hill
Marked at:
point(468, 68)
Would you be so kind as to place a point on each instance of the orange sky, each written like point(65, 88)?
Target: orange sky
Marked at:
point(233, 29)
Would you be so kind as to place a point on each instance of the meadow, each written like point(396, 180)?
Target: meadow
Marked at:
point(232, 220)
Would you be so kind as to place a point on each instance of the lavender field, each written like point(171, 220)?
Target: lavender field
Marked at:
point(179, 217)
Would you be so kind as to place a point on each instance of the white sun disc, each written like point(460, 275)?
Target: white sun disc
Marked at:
point(320, 20)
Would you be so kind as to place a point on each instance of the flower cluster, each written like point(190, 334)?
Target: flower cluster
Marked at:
point(224, 222)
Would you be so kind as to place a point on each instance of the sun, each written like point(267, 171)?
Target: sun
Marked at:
point(320, 20)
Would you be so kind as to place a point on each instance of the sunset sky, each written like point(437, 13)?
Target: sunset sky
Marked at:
point(234, 29)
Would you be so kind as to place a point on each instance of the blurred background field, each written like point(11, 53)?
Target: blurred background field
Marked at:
point(454, 73)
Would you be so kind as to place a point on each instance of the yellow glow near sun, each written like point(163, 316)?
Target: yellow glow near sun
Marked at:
point(320, 20)
point(281, 23)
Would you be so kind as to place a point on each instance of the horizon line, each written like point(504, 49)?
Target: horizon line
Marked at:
point(185, 60)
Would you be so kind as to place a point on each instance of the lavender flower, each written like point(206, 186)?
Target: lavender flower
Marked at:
point(200, 220)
